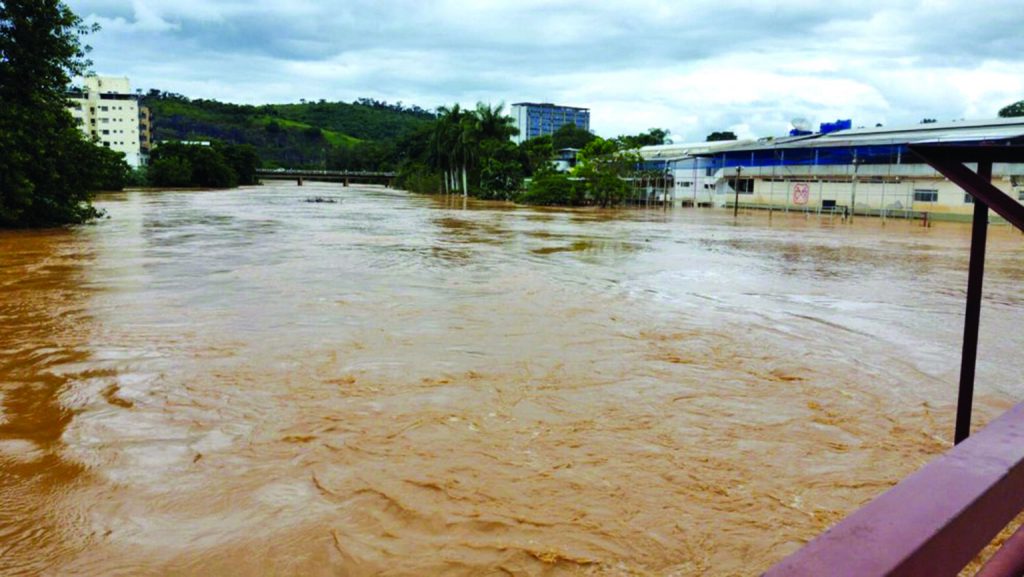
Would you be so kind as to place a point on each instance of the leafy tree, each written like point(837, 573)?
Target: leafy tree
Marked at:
point(47, 168)
point(218, 166)
point(418, 177)
point(653, 137)
point(536, 154)
point(1012, 110)
point(928, 121)
point(604, 164)
point(500, 170)
point(170, 171)
point(210, 169)
point(111, 170)
point(719, 136)
point(570, 136)
point(243, 160)
point(554, 189)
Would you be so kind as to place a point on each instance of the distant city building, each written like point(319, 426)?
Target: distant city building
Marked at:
point(539, 119)
point(106, 109)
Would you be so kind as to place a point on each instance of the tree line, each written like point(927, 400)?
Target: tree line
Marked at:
point(218, 165)
point(470, 152)
point(48, 168)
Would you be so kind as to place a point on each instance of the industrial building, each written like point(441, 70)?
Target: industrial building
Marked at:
point(685, 166)
point(106, 110)
point(539, 119)
point(860, 170)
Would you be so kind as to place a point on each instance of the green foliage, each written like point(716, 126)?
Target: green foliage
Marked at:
point(218, 166)
point(172, 171)
point(1012, 110)
point(554, 189)
point(570, 136)
point(471, 151)
point(719, 136)
point(418, 177)
point(370, 156)
point(501, 172)
point(111, 170)
point(243, 160)
point(47, 168)
point(536, 154)
point(604, 164)
point(653, 137)
point(292, 135)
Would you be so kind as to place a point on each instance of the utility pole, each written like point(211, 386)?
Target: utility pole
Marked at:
point(853, 191)
point(736, 191)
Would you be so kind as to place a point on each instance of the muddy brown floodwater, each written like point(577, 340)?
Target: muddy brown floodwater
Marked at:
point(242, 383)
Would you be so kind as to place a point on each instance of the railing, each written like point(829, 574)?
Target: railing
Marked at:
point(303, 172)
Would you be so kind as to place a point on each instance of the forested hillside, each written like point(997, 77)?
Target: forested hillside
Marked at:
point(358, 135)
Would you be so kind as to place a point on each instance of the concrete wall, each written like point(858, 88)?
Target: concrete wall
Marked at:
point(893, 195)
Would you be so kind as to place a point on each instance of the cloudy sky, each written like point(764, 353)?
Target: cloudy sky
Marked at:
point(692, 67)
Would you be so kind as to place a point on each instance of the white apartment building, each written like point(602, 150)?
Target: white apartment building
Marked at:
point(106, 109)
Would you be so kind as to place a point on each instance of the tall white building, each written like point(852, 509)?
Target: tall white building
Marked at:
point(535, 119)
point(107, 110)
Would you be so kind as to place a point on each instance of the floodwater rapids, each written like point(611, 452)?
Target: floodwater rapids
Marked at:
point(243, 383)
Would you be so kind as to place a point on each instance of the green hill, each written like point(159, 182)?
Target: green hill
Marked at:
point(340, 134)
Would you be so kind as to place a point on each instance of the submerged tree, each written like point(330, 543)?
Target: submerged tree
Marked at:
point(47, 167)
point(1012, 110)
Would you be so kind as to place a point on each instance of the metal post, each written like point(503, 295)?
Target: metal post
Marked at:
point(979, 236)
point(853, 190)
point(736, 190)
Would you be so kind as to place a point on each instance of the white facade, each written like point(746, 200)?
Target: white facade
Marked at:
point(107, 111)
point(692, 181)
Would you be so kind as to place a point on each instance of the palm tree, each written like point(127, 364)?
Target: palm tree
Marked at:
point(444, 143)
point(492, 122)
point(458, 137)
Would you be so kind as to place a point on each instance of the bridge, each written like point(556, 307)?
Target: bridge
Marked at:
point(345, 177)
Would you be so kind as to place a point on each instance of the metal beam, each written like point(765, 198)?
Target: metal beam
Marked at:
point(949, 164)
point(975, 276)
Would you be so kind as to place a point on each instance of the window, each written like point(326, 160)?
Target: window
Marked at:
point(968, 199)
point(746, 185)
point(1020, 195)
point(926, 195)
point(105, 131)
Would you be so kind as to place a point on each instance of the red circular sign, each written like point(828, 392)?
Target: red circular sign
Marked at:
point(801, 193)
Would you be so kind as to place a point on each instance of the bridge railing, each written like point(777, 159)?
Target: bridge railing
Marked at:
point(303, 172)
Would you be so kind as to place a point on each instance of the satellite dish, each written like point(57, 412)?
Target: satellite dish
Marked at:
point(801, 123)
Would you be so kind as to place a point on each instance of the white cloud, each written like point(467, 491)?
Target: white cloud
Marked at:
point(690, 67)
